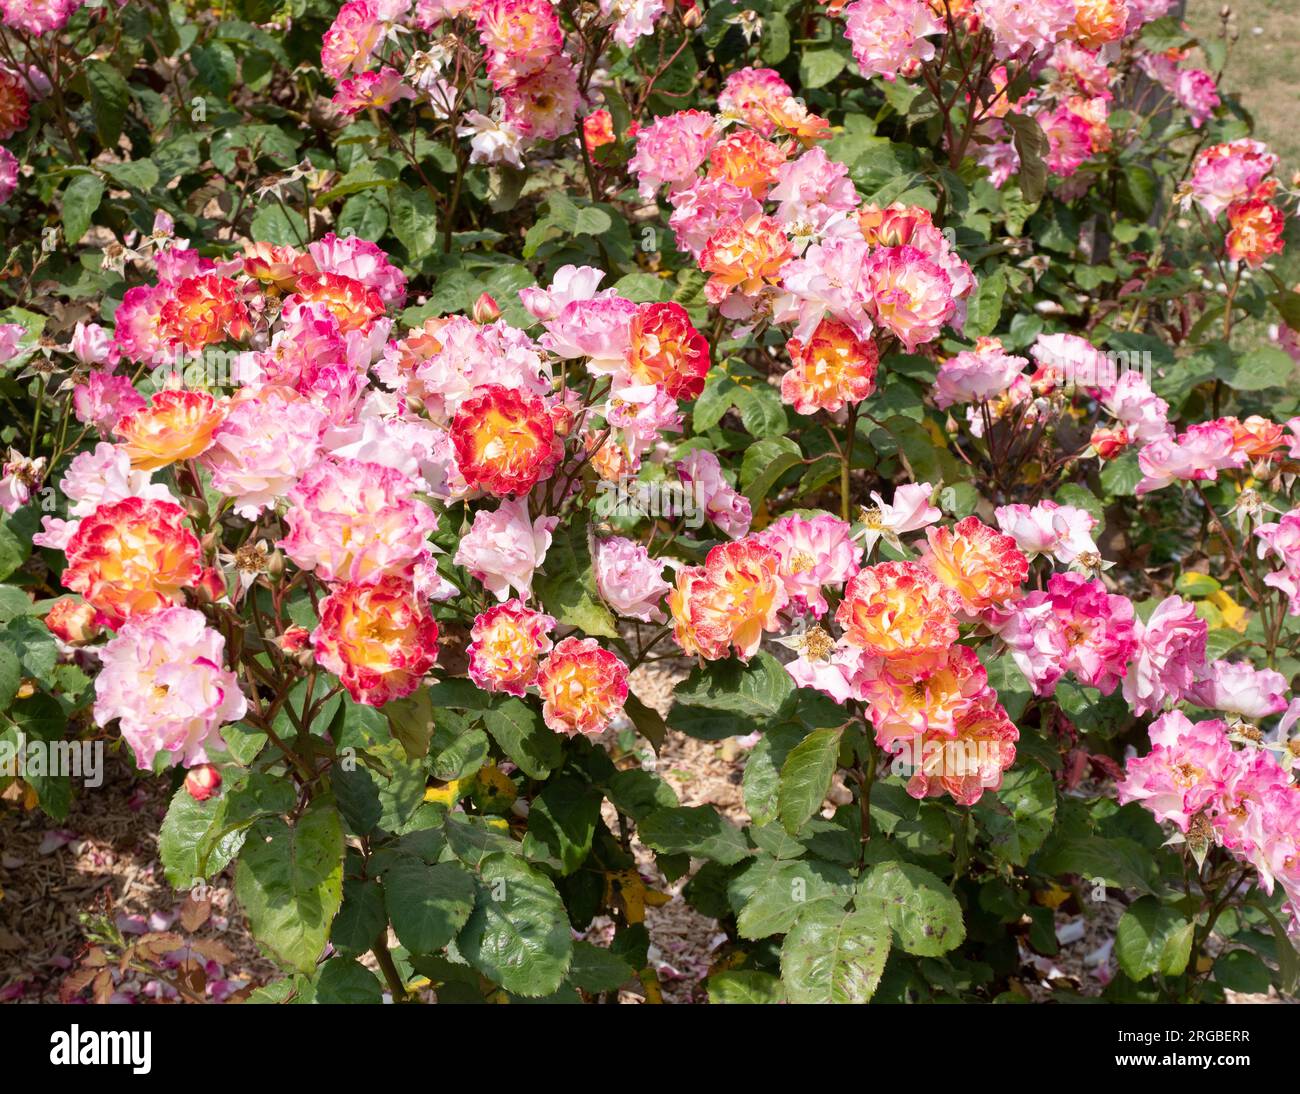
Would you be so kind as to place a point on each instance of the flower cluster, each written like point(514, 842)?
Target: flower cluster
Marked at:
point(1239, 797)
point(381, 53)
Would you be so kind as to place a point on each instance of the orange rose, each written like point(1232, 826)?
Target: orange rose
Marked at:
point(132, 558)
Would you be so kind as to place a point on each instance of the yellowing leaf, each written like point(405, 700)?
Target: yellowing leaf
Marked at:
point(447, 794)
point(625, 888)
point(1232, 614)
point(1052, 897)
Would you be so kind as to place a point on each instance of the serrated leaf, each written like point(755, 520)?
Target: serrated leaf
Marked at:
point(1153, 937)
point(428, 905)
point(519, 730)
point(699, 830)
point(834, 956)
point(595, 969)
point(290, 883)
point(110, 96)
point(806, 777)
point(81, 197)
point(518, 934)
point(345, 980)
point(918, 906)
point(745, 986)
point(563, 820)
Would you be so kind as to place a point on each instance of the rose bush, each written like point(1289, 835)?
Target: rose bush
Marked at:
point(390, 382)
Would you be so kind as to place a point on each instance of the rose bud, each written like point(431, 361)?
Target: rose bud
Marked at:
point(486, 310)
point(72, 621)
point(203, 782)
point(562, 418)
point(1109, 443)
point(294, 638)
point(211, 585)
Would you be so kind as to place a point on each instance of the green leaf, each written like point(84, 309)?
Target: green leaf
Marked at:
point(699, 830)
point(567, 583)
point(1241, 970)
point(133, 174)
point(1258, 370)
point(783, 890)
point(518, 934)
point(1137, 191)
point(1118, 861)
point(522, 735)
point(81, 198)
point(428, 905)
point(217, 68)
point(1032, 146)
point(290, 883)
point(473, 839)
point(834, 956)
point(765, 463)
point(595, 969)
point(358, 798)
point(818, 67)
point(718, 396)
point(761, 410)
point(110, 96)
point(11, 676)
point(648, 721)
point(361, 917)
point(184, 830)
point(730, 698)
point(984, 308)
point(344, 980)
point(411, 721)
point(1196, 585)
point(745, 986)
point(1153, 937)
point(413, 219)
point(806, 777)
point(1019, 816)
point(563, 820)
point(1287, 303)
point(638, 792)
point(918, 906)
point(455, 753)
point(14, 550)
point(762, 779)
point(35, 647)
point(283, 227)
point(1119, 476)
